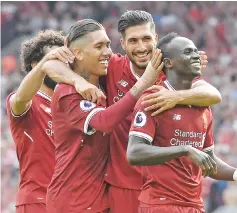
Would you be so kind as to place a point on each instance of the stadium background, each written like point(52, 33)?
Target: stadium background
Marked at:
point(211, 25)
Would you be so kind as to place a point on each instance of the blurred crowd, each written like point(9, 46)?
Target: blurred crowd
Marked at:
point(211, 25)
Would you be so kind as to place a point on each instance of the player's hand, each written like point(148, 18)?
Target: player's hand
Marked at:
point(161, 100)
point(90, 92)
point(204, 60)
point(63, 54)
point(207, 164)
point(153, 68)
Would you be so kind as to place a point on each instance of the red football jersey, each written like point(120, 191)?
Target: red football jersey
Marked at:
point(81, 155)
point(33, 136)
point(178, 181)
point(120, 80)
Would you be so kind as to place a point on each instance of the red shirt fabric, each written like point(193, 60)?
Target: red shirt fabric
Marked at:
point(33, 136)
point(120, 79)
point(81, 155)
point(178, 181)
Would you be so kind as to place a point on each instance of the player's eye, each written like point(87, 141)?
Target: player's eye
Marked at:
point(132, 40)
point(98, 47)
point(147, 39)
point(187, 52)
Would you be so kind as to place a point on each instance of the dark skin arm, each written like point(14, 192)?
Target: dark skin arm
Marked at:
point(141, 152)
point(224, 171)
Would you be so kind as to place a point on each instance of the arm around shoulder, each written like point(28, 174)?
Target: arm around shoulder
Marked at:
point(201, 94)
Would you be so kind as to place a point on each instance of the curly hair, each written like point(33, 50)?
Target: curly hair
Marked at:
point(32, 50)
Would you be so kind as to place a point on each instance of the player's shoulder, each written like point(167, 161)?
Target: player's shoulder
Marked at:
point(118, 59)
point(62, 90)
point(139, 105)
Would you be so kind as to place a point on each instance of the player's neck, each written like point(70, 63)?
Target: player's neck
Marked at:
point(136, 70)
point(179, 82)
point(93, 79)
point(46, 90)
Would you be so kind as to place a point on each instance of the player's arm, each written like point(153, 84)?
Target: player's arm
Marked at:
point(60, 72)
point(224, 171)
point(201, 94)
point(141, 152)
point(21, 100)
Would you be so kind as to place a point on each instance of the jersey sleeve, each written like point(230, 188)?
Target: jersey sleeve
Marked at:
point(10, 113)
point(143, 124)
point(79, 112)
point(209, 139)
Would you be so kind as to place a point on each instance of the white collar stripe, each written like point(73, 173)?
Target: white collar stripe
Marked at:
point(134, 74)
point(42, 94)
point(169, 86)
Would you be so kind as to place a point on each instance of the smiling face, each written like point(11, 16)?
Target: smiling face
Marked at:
point(93, 52)
point(139, 43)
point(184, 57)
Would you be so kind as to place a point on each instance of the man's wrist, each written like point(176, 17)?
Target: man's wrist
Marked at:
point(180, 96)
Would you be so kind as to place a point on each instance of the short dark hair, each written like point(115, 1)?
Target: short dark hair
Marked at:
point(163, 44)
point(82, 28)
point(32, 50)
point(164, 41)
point(132, 18)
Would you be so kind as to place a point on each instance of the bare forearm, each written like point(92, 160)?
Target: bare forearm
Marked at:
point(224, 171)
point(199, 96)
point(138, 89)
point(30, 84)
point(144, 154)
point(60, 72)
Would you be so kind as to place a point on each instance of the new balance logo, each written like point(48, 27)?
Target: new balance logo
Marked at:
point(177, 117)
point(123, 83)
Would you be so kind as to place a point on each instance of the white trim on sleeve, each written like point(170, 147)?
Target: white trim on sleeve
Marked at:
point(207, 149)
point(141, 135)
point(87, 121)
point(18, 116)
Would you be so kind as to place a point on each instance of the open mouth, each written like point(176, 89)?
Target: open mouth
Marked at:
point(196, 64)
point(105, 62)
point(142, 56)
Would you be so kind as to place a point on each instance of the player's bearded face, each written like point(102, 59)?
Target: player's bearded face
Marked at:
point(139, 43)
point(185, 57)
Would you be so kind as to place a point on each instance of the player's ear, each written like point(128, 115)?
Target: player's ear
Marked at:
point(78, 53)
point(122, 43)
point(167, 62)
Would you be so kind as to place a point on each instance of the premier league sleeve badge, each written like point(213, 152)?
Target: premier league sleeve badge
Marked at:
point(87, 105)
point(140, 119)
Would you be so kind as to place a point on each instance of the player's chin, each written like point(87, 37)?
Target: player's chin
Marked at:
point(103, 72)
point(197, 73)
point(142, 65)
